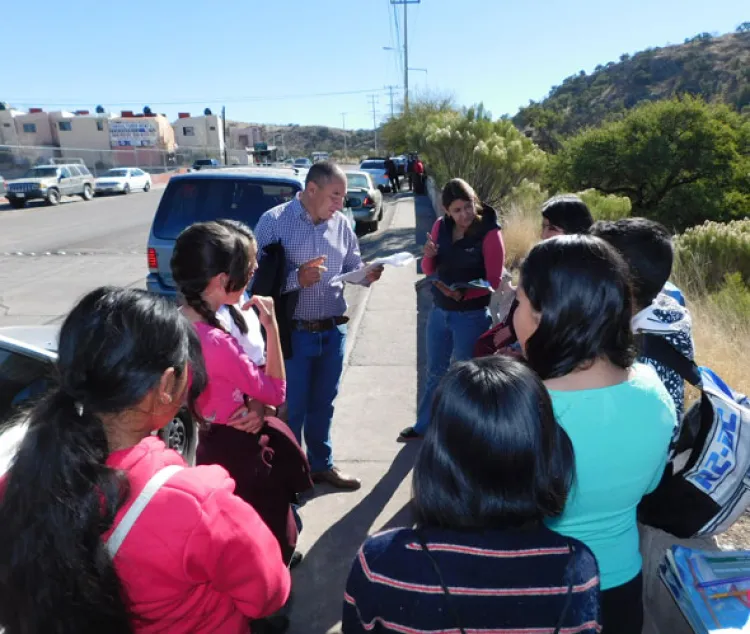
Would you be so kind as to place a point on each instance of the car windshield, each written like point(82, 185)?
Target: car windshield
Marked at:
point(204, 162)
point(201, 199)
point(117, 173)
point(373, 165)
point(21, 379)
point(300, 162)
point(41, 172)
point(357, 180)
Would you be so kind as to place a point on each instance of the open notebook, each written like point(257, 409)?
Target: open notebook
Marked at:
point(712, 589)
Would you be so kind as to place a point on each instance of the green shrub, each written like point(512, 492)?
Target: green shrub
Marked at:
point(733, 298)
point(606, 207)
point(714, 249)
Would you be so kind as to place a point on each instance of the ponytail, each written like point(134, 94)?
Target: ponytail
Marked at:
point(59, 499)
point(238, 319)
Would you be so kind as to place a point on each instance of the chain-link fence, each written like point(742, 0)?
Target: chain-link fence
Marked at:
point(15, 160)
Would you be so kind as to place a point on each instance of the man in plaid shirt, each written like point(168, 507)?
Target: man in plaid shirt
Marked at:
point(319, 244)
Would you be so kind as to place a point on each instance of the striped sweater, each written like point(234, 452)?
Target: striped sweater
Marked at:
point(501, 582)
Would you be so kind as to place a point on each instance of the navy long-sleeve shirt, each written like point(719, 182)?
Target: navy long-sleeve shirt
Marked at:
point(501, 582)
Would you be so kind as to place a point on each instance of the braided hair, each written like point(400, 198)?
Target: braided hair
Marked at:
point(244, 230)
point(203, 251)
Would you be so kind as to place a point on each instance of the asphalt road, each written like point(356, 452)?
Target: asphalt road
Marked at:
point(51, 256)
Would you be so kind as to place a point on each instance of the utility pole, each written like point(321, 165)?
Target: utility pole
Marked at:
point(346, 153)
point(372, 99)
point(406, 48)
point(224, 126)
point(390, 89)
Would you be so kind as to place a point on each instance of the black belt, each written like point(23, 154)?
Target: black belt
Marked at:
point(319, 325)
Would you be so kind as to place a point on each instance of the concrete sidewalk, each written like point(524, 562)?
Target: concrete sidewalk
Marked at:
point(378, 398)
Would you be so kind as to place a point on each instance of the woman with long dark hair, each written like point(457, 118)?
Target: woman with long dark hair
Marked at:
point(464, 246)
point(573, 323)
point(196, 559)
point(494, 465)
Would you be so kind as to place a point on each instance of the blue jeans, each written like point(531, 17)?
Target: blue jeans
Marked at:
point(450, 333)
point(313, 375)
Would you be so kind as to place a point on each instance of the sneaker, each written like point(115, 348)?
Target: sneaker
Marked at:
point(408, 434)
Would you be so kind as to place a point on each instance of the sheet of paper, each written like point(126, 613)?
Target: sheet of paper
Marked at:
point(357, 277)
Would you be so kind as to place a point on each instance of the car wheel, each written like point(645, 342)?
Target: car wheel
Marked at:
point(88, 193)
point(126, 189)
point(180, 435)
point(17, 203)
point(372, 226)
point(380, 215)
point(147, 187)
point(53, 197)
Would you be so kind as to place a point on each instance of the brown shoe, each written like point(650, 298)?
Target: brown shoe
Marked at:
point(336, 478)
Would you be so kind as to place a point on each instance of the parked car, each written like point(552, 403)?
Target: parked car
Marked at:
point(375, 167)
point(3, 187)
point(27, 358)
point(123, 180)
point(304, 163)
point(50, 183)
point(364, 199)
point(239, 193)
point(206, 164)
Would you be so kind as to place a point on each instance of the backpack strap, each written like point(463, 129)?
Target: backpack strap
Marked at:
point(126, 523)
point(659, 349)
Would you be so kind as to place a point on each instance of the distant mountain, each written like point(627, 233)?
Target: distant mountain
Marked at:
point(716, 68)
point(304, 140)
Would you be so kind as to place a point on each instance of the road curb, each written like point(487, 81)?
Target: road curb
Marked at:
point(355, 321)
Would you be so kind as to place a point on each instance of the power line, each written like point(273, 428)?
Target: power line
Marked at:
point(213, 100)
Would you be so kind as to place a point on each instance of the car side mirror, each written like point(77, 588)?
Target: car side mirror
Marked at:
point(59, 178)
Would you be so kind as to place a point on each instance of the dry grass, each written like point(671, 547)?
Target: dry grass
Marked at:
point(521, 229)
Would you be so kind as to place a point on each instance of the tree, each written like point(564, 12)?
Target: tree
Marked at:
point(744, 28)
point(679, 161)
point(146, 110)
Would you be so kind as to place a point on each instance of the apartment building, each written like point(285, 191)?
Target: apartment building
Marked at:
point(8, 135)
point(203, 134)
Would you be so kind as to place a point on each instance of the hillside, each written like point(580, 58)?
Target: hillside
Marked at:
point(716, 68)
point(304, 140)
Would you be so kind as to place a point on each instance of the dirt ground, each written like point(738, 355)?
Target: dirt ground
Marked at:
point(737, 537)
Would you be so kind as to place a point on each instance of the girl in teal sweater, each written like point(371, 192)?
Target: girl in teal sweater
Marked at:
point(573, 323)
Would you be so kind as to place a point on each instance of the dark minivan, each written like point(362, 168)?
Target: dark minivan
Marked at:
point(243, 194)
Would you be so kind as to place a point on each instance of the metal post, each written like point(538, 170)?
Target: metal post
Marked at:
point(406, 48)
point(406, 58)
point(224, 128)
point(346, 152)
point(374, 122)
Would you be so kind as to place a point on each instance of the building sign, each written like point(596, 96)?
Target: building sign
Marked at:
point(134, 133)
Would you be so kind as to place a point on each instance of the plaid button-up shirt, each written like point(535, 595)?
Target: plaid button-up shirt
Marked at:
point(303, 241)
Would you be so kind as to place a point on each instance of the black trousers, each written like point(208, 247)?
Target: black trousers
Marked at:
point(622, 608)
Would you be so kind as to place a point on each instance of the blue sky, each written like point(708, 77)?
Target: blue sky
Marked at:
point(281, 61)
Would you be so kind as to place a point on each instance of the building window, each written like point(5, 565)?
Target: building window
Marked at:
point(188, 130)
point(212, 128)
point(65, 126)
point(100, 126)
point(6, 125)
point(29, 128)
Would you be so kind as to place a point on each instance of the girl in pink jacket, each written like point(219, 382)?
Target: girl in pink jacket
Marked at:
point(197, 559)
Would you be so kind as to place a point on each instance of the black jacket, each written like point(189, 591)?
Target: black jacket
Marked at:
point(269, 281)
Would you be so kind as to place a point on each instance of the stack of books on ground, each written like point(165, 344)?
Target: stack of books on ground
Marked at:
point(712, 589)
